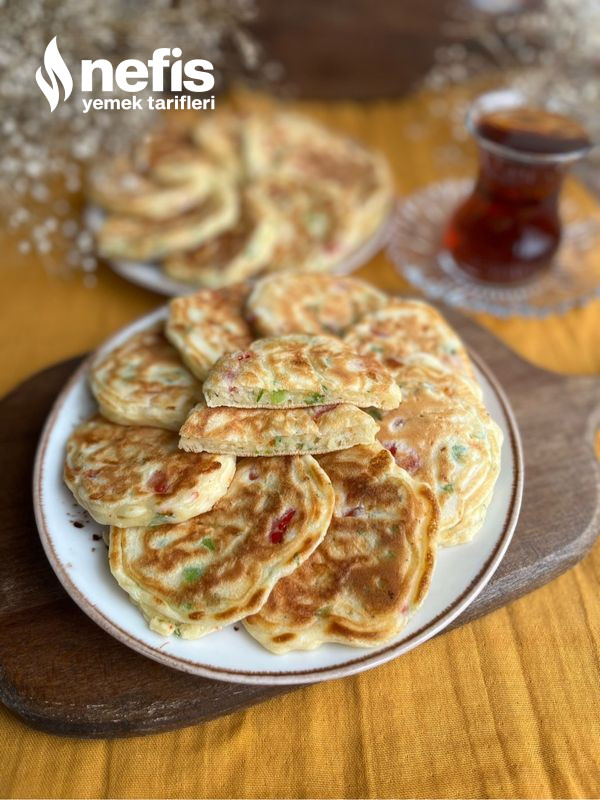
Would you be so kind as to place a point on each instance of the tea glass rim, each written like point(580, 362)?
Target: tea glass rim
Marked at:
point(512, 98)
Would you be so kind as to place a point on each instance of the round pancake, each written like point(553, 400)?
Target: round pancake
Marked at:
point(406, 327)
point(231, 256)
point(296, 371)
point(292, 145)
point(137, 476)
point(206, 325)
point(294, 303)
point(121, 189)
point(169, 155)
point(145, 240)
point(195, 577)
point(143, 382)
point(372, 570)
point(307, 224)
point(275, 432)
point(454, 449)
point(219, 134)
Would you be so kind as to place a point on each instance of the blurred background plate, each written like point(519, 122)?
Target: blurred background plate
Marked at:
point(149, 275)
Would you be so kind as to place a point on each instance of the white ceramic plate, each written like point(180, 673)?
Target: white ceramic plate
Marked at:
point(149, 275)
point(74, 546)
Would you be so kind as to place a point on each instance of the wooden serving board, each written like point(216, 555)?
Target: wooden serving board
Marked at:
point(63, 674)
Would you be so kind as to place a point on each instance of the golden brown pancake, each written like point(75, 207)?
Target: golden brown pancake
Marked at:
point(296, 371)
point(275, 432)
point(207, 324)
point(291, 302)
point(195, 577)
point(372, 570)
point(455, 449)
point(143, 382)
point(136, 476)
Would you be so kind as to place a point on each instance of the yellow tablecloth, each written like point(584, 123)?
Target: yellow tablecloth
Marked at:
point(508, 706)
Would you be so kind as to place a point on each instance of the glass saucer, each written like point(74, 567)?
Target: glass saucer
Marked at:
point(572, 279)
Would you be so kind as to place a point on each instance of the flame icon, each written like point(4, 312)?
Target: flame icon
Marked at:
point(56, 68)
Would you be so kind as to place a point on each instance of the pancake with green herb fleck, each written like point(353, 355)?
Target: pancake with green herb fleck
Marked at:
point(232, 255)
point(455, 449)
point(296, 371)
point(275, 432)
point(195, 577)
point(307, 226)
point(404, 328)
point(295, 303)
point(139, 239)
point(207, 324)
point(143, 382)
point(372, 570)
point(299, 148)
point(131, 476)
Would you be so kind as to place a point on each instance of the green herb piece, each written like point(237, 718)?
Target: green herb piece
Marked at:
point(208, 543)
point(459, 451)
point(259, 394)
point(375, 413)
point(314, 399)
point(192, 574)
point(278, 396)
point(324, 612)
point(448, 488)
point(187, 606)
point(161, 519)
point(177, 632)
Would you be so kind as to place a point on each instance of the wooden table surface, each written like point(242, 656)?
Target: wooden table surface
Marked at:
point(505, 706)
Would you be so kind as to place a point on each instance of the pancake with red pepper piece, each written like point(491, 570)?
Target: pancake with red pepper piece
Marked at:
point(455, 449)
point(143, 382)
point(372, 570)
point(295, 147)
point(137, 476)
point(195, 577)
point(296, 371)
point(232, 255)
point(140, 239)
point(294, 303)
point(207, 324)
point(405, 328)
point(309, 230)
point(275, 432)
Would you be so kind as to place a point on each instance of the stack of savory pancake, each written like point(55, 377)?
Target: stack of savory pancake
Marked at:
point(241, 194)
point(301, 481)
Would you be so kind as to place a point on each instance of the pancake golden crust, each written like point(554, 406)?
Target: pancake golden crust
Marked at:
point(145, 240)
point(207, 324)
point(296, 147)
point(306, 222)
point(136, 476)
point(295, 303)
point(455, 450)
point(195, 577)
point(372, 570)
point(274, 432)
point(233, 255)
point(121, 189)
point(296, 371)
point(404, 328)
point(143, 382)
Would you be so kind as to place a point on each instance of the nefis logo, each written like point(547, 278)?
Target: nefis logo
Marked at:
point(129, 76)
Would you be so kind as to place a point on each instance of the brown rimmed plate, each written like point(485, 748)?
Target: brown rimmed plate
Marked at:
point(231, 654)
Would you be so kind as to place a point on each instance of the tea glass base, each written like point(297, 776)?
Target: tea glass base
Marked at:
point(572, 278)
